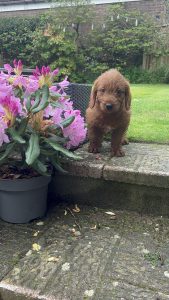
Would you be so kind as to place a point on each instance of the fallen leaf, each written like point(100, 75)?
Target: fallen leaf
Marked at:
point(40, 223)
point(113, 217)
point(116, 236)
point(72, 230)
point(110, 213)
point(16, 176)
point(98, 157)
point(65, 212)
point(36, 233)
point(145, 251)
point(29, 253)
point(115, 283)
point(16, 271)
point(36, 247)
point(94, 227)
point(53, 259)
point(76, 209)
point(89, 293)
point(66, 267)
point(166, 274)
point(77, 233)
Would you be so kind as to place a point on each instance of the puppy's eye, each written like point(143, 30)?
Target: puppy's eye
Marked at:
point(119, 92)
point(102, 90)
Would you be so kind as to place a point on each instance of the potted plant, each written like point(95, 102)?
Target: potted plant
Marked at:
point(38, 127)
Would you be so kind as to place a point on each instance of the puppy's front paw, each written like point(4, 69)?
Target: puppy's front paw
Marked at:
point(125, 141)
point(117, 153)
point(93, 149)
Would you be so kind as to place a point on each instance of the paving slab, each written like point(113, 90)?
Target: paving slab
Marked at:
point(87, 252)
point(14, 243)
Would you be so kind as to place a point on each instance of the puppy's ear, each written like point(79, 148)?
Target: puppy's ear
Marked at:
point(93, 95)
point(127, 97)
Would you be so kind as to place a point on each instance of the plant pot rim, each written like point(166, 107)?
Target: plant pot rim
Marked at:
point(24, 184)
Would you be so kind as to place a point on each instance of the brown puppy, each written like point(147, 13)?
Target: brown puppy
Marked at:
point(109, 110)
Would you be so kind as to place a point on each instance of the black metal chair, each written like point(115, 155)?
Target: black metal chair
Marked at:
point(79, 94)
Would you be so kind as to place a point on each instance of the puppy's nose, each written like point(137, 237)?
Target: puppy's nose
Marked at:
point(109, 106)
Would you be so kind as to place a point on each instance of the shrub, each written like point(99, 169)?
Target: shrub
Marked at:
point(138, 75)
point(15, 35)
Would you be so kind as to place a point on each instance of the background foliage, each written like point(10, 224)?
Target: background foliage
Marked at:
point(15, 36)
point(71, 38)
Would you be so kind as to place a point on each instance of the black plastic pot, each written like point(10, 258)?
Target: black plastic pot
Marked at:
point(22, 200)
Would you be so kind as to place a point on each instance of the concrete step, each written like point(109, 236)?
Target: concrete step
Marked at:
point(86, 253)
point(139, 181)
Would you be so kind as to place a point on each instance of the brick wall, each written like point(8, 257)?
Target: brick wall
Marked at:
point(156, 8)
point(22, 13)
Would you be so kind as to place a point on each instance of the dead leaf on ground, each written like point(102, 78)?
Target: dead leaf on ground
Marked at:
point(98, 157)
point(53, 259)
point(36, 233)
point(76, 209)
point(110, 213)
point(36, 247)
point(65, 212)
point(74, 232)
point(40, 223)
point(93, 227)
point(113, 217)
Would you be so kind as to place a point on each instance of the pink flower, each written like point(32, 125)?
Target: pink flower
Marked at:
point(8, 68)
point(31, 86)
point(12, 104)
point(18, 67)
point(3, 136)
point(5, 90)
point(19, 81)
point(49, 111)
point(45, 75)
point(68, 105)
point(75, 132)
point(11, 107)
point(64, 83)
point(57, 116)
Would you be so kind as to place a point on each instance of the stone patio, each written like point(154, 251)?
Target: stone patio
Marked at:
point(85, 252)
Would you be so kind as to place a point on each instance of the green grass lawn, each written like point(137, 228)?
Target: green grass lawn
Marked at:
point(150, 113)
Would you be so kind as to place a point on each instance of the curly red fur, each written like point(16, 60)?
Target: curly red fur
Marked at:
point(109, 110)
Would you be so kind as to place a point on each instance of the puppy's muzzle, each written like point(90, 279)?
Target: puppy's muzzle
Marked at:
point(109, 106)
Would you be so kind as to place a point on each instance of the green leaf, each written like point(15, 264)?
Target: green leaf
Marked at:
point(44, 101)
point(58, 139)
point(23, 126)
point(47, 152)
point(9, 149)
point(64, 151)
point(37, 100)
point(67, 122)
point(40, 167)
point(28, 103)
point(55, 95)
point(16, 136)
point(33, 149)
point(57, 166)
